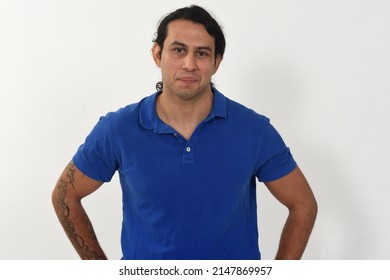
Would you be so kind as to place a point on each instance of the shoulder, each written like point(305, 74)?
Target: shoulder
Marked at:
point(245, 116)
point(240, 109)
point(123, 114)
point(126, 116)
point(236, 111)
point(248, 125)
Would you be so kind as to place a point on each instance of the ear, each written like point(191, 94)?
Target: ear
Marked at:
point(156, 53)
point(217, 62)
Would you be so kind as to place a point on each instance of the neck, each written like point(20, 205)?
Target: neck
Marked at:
point(182, 114)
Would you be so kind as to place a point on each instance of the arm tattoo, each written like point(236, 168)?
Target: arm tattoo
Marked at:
point(64, 213)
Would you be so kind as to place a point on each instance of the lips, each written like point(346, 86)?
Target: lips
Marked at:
point(188, 79)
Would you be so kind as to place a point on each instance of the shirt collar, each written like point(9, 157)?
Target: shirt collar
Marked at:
point(149, 119)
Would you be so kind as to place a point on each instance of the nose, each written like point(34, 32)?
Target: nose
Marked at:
point(189, 62)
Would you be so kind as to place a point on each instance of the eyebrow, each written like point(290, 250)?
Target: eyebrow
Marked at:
point(177, 43)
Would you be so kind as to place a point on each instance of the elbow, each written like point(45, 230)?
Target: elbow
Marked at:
point(55, 198)
point(307, 210)
point(59, 196)
point(313, 207)
point(311, 211)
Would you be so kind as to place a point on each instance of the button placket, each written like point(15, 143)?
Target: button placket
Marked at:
point(189, 147)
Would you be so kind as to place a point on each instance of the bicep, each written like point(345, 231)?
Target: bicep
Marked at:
point(292, 190)
point(74, 184)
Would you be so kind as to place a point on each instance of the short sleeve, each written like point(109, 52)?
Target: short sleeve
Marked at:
point(96, 157)
point(275, 159)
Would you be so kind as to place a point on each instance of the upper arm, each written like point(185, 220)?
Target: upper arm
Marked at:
point(74, 184)
point(293, 191)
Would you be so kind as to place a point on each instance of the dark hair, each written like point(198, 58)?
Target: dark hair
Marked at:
point(195, 14)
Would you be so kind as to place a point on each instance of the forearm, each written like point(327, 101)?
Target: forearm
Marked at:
point(296, 233)
point(75, 220)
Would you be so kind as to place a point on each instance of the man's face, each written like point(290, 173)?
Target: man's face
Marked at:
point(187, 60)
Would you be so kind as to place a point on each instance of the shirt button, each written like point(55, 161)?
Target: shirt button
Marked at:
point(188, 149)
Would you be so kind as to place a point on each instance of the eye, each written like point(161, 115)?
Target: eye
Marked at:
point(179, 50)
point(203, 54)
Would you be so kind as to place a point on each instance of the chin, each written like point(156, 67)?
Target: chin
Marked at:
point(188, 92)
point(186, 95)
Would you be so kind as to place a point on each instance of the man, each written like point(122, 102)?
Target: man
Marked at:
point(188, 159)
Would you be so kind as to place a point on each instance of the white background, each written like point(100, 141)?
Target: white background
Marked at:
point(319, 69)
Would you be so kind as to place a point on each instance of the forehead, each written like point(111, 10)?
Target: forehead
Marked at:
point(188, 33)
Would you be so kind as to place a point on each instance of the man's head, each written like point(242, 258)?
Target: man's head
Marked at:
point(189, 47)
point(195, 14)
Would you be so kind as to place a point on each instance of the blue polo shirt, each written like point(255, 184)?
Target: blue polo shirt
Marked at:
point(182, 199)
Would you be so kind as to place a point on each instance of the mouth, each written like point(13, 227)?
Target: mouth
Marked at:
point(187, 80)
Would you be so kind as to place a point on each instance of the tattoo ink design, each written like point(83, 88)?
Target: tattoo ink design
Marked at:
point(64, 213)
